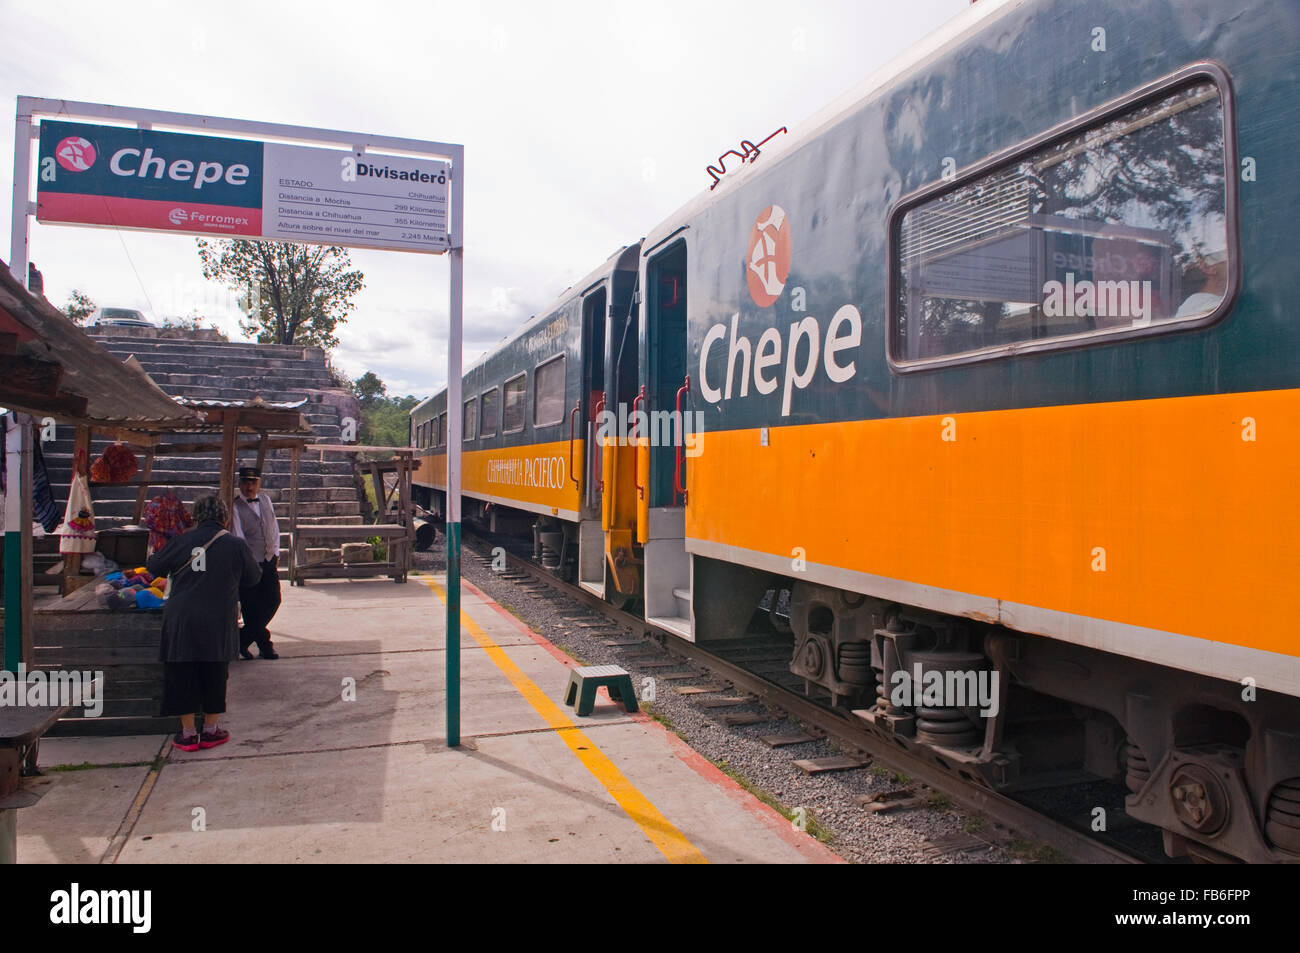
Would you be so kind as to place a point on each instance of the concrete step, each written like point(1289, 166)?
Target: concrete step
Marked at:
point(323, 495)
point(186, 468)
point(234, 349)
point(259, 379)
point(186, 363)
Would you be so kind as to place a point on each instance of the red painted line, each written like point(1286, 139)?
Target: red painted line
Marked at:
point(807, 845)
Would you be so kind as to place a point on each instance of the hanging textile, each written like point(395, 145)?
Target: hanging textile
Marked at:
point(116, 464)
point(77, 534)
point(44, 509)
point(165, 516)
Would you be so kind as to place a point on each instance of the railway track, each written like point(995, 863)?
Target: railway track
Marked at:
point(754, 669)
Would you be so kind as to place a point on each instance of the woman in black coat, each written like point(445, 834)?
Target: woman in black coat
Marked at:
point(200, 633)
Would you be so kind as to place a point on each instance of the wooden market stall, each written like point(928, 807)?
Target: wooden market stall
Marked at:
point(60, 373)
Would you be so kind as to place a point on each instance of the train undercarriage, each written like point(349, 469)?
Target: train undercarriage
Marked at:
point(1214, 764)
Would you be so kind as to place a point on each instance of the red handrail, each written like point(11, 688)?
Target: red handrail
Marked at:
point(681, 439)
point(636, 444)
point(598, 471)
point(572, 414)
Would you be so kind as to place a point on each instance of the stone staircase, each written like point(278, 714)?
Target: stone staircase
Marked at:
point(198, 367)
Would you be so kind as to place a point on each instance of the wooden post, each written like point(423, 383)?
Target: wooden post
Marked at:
point(381, 495)
point(261, 453)
point(227, 485)
point(359, 485)
point(145, 476)
point(81, 465)
point(294, 455)
point(408, 518)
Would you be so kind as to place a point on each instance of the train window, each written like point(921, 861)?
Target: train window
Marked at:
point(548, 392)
point(442, 429)
point(1120, 226)
point(512, 420)
point(470, 420)
point(435, 432)
point(490, 410)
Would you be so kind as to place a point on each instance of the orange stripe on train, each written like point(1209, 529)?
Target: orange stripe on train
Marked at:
point(1175, 514)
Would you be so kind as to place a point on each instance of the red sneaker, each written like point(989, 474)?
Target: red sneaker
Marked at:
point(186, 742)
point(210, 739)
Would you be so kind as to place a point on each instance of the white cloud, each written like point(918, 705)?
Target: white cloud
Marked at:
point(584, 125)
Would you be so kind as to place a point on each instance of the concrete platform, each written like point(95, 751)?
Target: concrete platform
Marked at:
point(338, 753)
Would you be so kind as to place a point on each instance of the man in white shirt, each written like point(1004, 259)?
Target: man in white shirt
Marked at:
point(253, 520)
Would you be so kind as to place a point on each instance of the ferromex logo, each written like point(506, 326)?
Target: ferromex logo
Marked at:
point(75, 153)
point(782, 359)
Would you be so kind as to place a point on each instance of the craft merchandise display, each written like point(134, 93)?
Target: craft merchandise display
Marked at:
point(165, 516)
point(131, 589)
point(77, 534)
point(116, 464)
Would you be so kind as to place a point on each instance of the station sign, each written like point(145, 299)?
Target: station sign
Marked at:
point(123, 177)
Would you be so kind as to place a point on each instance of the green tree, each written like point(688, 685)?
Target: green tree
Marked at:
point(369, 389)
point(385, 421)
point(79, 307)
point(296, 294)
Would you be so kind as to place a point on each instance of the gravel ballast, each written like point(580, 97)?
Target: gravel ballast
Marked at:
point(824, 803)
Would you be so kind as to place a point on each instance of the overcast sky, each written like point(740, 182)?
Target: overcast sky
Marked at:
point(584, 125)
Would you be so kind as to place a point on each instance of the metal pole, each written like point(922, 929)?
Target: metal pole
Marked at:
point(17, 604)
point(22, 194)
point(454, 412)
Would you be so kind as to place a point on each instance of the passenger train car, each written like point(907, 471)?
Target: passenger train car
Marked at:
point(992, 367)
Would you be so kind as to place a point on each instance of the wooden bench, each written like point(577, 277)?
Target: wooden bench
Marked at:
point(21, 729)
point(583, 683)
point(396, 537)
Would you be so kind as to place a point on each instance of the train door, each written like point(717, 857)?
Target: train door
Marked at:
point(661, 524)
point(591, 537)
point(623, 557)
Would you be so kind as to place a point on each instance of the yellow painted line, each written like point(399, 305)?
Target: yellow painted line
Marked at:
point(654, 825)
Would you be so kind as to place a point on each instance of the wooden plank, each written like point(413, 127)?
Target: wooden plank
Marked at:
point(226, 491)
point(700, 689)
point(780, 741)
point(884, 802)
point(145, 475)
point(108, 726)
point(29, 378)
point(725, 702)
point(735, 721)
point(358, 533)
point(357, 448)
point(833, 763)
point(261, 452)
point(87, 657)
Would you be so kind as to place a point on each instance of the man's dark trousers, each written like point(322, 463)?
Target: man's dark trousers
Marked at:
point(259, 604)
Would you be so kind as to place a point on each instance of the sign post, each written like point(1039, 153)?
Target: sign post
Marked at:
point(115, 167)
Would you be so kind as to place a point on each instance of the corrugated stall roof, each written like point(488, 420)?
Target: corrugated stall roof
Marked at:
point(52, 367)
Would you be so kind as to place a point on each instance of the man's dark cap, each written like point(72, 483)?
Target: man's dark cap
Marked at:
point(249, 473)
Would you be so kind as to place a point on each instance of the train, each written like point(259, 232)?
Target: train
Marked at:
point(982, 385)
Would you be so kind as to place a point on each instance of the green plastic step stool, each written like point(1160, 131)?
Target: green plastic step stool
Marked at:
point(583, 683)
